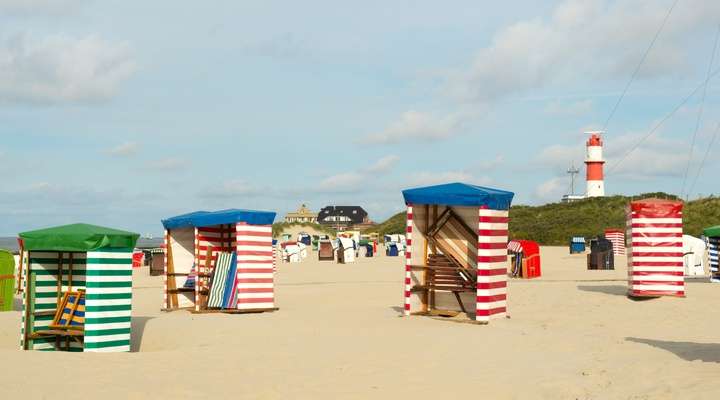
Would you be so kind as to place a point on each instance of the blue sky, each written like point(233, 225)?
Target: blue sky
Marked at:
point(121, 113)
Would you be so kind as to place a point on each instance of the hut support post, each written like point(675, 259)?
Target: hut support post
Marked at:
point(59, 278)
point(20, 268)
point(408, 259)
point(426, 273)
point(491, 300)
point(170, 284)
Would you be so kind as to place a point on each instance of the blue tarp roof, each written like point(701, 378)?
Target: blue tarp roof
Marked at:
point(210, 218)
point(460, 194)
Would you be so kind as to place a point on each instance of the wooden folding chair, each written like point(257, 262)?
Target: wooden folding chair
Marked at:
point(69, 320)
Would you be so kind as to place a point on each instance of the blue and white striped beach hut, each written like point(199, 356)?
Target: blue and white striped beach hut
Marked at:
point(712, 235)
point(577, 244)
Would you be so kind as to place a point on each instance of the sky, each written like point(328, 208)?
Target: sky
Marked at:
point(121, 113)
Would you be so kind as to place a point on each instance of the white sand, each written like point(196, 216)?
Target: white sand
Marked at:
point(573, 335)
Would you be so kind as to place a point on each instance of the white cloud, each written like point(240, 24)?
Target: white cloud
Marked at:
point(167, 164)
point(486, 165)
point(600, 40)
point(125, 149)
point(658, 156)
point(561, 156)
point(384, 164)
point(572, 109)
point(416, 125)
point(552, 189)
point(345, 181)
point(60, 68)
point(232, 189)
point(434, 178)
point(584, 39)
point(353, 181)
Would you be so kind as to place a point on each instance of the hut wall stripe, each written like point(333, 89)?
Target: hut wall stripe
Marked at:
point(42, 268)
point(108, 330)
point(713, 247)
point(491, 294)
point(408, 259)
point(255, 279)
point(655, 264)
point(617, 238)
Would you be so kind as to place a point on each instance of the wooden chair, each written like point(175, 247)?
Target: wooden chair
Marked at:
point(69, 320)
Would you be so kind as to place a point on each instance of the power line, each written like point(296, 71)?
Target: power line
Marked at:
point(700, 112)
point(707, 153)
point(667, 117)
point(637, 69)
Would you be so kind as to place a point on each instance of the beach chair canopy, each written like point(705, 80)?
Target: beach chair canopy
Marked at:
point(460, 194)
point(656, 208)
point(346, 243)
point(713, 231)
point(222, 217)
point(528, 247)
point(77, 237)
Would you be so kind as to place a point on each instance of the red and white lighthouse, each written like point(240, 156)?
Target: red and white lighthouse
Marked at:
point(594, 163)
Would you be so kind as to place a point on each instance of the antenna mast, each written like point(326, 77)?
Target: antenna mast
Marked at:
point(572, 171)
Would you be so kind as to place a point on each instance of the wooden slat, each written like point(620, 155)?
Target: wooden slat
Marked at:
point(181, 290)
point(419, 288)
point(57, 332)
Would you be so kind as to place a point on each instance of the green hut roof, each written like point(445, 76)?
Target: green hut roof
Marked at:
point(713, 231)
point(77, 237)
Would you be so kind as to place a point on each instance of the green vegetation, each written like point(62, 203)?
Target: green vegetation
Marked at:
point(279, 227)
point(393, 225)
point(555, 223)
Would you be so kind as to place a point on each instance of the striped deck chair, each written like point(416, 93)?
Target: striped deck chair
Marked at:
point(713, 252)
point(71, 313)
point(219, 279)
point(230, 298)
point(69, 321)
point(190, 281)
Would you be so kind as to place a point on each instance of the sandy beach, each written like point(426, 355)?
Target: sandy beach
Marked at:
point(573, 334)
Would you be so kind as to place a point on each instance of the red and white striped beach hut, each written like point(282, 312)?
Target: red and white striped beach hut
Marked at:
point(617, 238)
point(456, 254)
point(239, 241)
point(655, 261)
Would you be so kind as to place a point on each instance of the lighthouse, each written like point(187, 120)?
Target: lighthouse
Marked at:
point(594, 163)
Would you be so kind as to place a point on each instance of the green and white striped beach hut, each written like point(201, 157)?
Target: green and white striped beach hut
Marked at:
point(77, 258)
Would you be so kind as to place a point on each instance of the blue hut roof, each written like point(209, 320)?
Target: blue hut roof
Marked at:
point(211, 218)
point(460, 194)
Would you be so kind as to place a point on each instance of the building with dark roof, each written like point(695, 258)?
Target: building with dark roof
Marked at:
point(342, 216)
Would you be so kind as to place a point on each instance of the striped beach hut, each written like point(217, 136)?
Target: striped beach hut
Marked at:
point(617, 238)
point(77, 288)
point(712, 236)
point(456, 254)
point(655, 262)
point(219, 261)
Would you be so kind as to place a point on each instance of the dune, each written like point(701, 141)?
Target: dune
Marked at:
point(572, 334)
